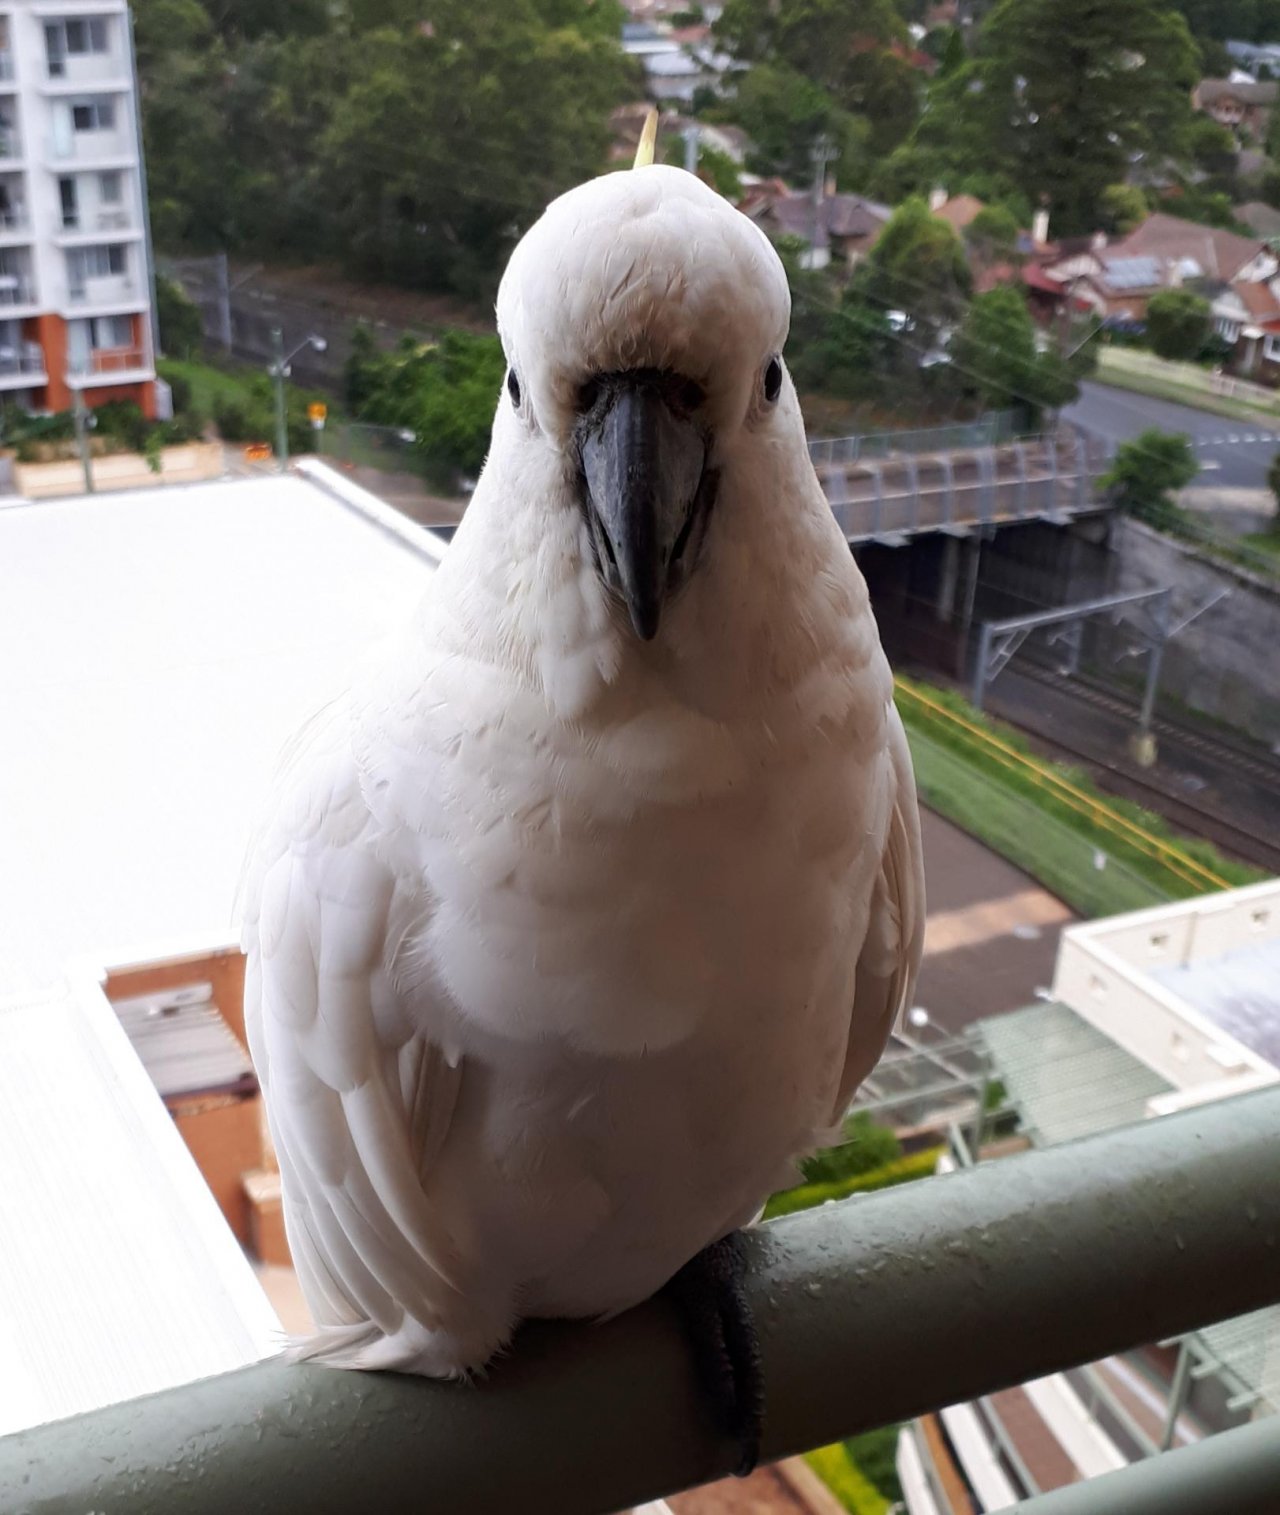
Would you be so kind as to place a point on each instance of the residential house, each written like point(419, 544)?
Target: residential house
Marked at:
point(1263, 220)
point(676, 64)
point(839, 228)
point(1118, 279)
point(1248, 317)
point(959, 211)
point(1240, 104)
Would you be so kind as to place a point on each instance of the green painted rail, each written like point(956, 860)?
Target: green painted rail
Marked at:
point(870, 1311)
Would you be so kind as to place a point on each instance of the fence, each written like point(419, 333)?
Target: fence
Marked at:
point(998, 426)
point(870, 1313)
point(1121, 361)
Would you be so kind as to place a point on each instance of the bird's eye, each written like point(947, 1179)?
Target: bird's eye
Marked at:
point(772, 380)
point(588, 394)
point(513, 387)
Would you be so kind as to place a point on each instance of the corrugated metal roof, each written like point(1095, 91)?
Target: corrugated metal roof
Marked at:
point(1067, 1079)
point(118, 1274)
point(1248, 1349)
point(184, 1043)
point(1132, 273)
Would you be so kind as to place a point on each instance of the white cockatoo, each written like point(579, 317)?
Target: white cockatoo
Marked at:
point(582, 916)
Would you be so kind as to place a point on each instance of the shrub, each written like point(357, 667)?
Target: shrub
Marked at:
point(1148, 469)
point(902, 1170)
point(854, 1491)
point(875, 1455)
point(1177, 323)
point(181, 329)
point(866, 1146)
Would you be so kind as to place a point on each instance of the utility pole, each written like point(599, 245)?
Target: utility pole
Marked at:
point(691, 149)
point(820, 154)
point(82, 436)
point(282, 428)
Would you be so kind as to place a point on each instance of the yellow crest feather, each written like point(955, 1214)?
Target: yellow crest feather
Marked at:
point(648, 140)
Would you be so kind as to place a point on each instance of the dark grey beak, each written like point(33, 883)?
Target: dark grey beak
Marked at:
point(644, 464)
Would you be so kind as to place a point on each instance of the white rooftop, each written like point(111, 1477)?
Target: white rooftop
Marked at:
point(156, 651)
point(118, 1274)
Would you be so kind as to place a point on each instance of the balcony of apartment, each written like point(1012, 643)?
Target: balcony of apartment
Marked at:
point(10, 143)
point(22, 364)
point(15, 222)
point(98, 148)
point(94, 224)
point(6, 69)
point(109, 365)
point(17, 290)
point(109, 292)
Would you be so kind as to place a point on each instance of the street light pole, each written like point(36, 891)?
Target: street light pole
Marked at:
point(82, 436)
point(279, 370)
point(282, 428)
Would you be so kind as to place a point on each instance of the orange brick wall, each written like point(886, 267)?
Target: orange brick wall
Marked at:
point(51, 333)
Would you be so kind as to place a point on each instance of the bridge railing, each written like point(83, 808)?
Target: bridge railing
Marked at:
point(1054, 475)
point(870, 1312)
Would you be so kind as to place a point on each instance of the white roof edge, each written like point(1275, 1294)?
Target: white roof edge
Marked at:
point(417, 538)
point(208, 1225)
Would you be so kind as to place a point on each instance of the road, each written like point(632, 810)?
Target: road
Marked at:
point(1233, 454)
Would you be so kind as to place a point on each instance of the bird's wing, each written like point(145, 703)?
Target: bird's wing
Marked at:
point(358, 1099)
point(894, 943)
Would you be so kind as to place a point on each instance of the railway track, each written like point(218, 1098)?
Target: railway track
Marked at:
point(1257, 845)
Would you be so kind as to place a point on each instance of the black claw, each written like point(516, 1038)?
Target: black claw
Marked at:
point(710, 1295)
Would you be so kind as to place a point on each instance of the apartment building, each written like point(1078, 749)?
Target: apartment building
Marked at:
point(74, 276)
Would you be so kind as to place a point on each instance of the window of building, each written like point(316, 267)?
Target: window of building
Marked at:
point(99, 262)
point(73, 38)
point(110, 188)
point(94, 116)
point(1227, 329)
point(110, 331)
point(1271, 349)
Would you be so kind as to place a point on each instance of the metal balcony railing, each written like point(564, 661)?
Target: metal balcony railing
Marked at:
point(870, 1312)
point(27, 359)
point(107, 360)
point(16, 290)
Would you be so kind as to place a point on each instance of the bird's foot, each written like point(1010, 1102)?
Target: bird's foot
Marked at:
point(711, 1297)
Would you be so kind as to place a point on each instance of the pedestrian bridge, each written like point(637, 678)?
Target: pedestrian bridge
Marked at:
point(893, 489)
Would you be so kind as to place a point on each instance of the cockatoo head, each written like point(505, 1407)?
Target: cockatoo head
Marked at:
point(643, 320)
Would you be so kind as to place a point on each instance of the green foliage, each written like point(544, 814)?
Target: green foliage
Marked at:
point(875, 1455)
point(854, 1491)
point(903, 1170)
point(1177, 323)
point(846, 51)
point(866, 1146)
point(722, 170)
point(1149, 468)
point(1121, 207)
point(153, 449)
point(1273, 482)
point(784, 114)
point(181, 331)
point(995, 356)
point(244, 411)
point(444, 392)
point(412, 150)
point(993, 233)
point(1060, 98)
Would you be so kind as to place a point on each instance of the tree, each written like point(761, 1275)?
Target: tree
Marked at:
point(449, 141)
point(1122, 207)
point(992, 235)
point(444, 392)
point(1148, 469)
point(181, 330)
point(853, 53)
point(1177, 323)
point(1063, 96)
point(784, 114)
point(996, 357)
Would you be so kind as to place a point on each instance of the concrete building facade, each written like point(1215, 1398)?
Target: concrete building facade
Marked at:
point(75, 284)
